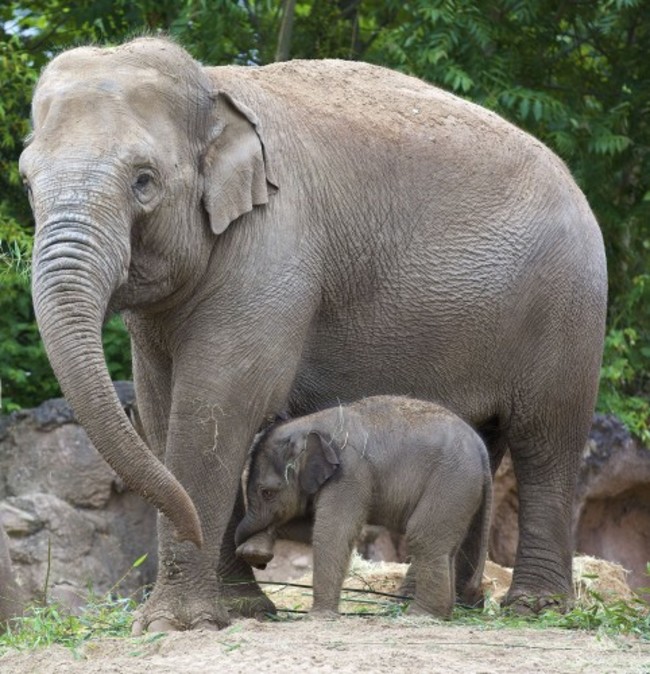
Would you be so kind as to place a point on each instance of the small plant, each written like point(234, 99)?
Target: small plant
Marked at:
point(613, 618)
point(45, 625)
point(53, 624)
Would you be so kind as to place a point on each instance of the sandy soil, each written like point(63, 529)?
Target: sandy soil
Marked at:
point(345, 645)
point(355, 643)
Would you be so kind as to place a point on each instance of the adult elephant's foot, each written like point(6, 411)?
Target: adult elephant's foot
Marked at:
point(323, 614)
point(414, 609)
point(242, 596)
point(407, 586)
point(526, 603)
point(172, 608)
point(246, 600)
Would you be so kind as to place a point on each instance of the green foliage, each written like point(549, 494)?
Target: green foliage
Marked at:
point(622, 361)
point(592, 611)
point(613, 618)
point(574, 74)
point(53, 624)
point(48, 624)
point(593, 614)
point(109, 617)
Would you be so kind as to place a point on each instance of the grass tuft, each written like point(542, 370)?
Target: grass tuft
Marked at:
point(611, 618)
point(47, 624)
point(54, 624)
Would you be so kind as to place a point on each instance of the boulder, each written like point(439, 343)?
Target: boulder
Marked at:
point(68, 517)
point(12, 597)
point(612, 514)
point(612, 506)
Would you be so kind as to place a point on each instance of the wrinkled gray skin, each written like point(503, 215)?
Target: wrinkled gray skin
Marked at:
point(12, 598)
point(410, 465)
point(280, 237)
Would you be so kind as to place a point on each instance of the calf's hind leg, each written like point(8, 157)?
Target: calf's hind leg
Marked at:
point(434, 583)
point(432, 545)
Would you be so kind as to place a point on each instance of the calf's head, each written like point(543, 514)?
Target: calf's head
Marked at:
point(287, 468)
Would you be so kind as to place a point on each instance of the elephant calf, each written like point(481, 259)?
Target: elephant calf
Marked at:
point(410, 465)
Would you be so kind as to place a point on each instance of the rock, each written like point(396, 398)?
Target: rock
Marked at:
point(18, 522)
point(612, 505)
point(612, 515)
point(301, 562)
point(67, 515)
point(504, 530)
point(12, 597)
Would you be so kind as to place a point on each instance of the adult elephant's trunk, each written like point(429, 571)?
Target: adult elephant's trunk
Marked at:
point(76, 267)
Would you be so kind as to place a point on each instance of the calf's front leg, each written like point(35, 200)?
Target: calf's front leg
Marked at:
point(337, 525)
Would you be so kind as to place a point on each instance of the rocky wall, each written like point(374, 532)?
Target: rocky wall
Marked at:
point(611, 518)
point(67, 515)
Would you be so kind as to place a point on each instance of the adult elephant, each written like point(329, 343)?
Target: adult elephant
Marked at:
point(282, 237)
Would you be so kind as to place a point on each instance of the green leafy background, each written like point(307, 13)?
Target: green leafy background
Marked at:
point(575, 74)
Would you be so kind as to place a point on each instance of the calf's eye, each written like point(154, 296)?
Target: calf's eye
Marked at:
point(268, 494)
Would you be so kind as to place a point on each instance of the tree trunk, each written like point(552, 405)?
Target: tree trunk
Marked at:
point(286, 28)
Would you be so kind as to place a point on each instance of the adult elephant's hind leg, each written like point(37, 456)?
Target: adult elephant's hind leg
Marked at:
point(546, 455)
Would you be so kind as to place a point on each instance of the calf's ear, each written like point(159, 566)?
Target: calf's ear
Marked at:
point(321, 462)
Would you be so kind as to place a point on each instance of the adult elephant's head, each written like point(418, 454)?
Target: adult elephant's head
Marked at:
point(134, 164)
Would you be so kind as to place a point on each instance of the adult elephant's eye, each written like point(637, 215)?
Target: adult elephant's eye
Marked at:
point(144, 186)
point(143, 180)
point(268, 494)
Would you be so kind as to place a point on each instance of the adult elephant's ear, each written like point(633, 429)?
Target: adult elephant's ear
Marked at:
point(236, 175)
point(321, 462)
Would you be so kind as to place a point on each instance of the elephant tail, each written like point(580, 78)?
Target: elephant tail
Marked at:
point(473, 593)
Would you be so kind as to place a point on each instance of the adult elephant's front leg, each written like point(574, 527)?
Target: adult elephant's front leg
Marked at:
point(241, 593)
point(209, 432)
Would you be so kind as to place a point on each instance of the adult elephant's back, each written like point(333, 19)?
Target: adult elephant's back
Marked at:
point(451, 244)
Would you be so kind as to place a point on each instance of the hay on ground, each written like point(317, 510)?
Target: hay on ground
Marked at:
point(593, 578)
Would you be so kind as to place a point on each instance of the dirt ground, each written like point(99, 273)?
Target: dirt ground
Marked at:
point(345, 645)
point(357, 643)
